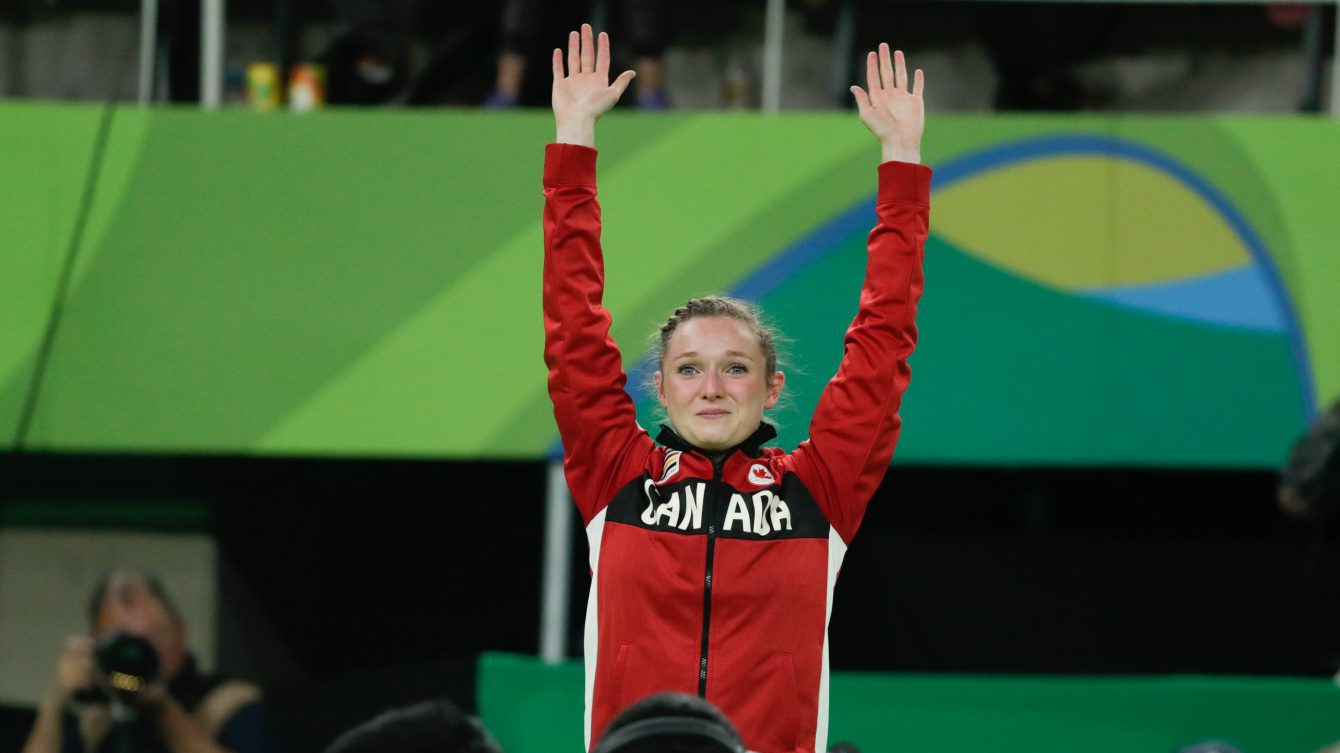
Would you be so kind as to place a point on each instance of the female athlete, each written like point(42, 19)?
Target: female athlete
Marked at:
point(713, 556)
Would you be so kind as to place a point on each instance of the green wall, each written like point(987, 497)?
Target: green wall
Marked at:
point(534, 708)
point(367, 283)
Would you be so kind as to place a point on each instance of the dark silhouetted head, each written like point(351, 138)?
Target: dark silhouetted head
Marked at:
point(428, 727)
point(671, 723)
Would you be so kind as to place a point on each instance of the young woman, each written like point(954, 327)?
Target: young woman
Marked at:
point(713, 558)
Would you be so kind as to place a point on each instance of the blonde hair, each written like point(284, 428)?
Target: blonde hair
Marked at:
point(733, 308)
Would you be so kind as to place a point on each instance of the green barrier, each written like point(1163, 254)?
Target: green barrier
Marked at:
point(534, 708)
point(1101, 290)
point(45, 154)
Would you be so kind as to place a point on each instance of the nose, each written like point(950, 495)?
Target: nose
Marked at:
point(712, 385)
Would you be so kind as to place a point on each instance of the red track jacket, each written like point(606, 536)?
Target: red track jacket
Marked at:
point(717, 579)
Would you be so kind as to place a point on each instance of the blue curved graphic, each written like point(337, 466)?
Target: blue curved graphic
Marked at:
point(1239, 298)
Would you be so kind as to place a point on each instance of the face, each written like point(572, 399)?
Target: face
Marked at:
point(135, 610)
point(712, 382)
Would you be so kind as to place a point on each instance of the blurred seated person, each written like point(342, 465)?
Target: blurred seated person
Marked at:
point(132, 686)
point(428, 727)
point(368, 62)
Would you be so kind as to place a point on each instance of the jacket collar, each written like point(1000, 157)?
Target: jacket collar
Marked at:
point(750, 446)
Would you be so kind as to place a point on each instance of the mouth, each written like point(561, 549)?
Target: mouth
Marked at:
point(713, 414)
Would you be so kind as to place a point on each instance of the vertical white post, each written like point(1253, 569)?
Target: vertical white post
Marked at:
point(1335, 63)
point(557, 555)
point(772, 56)
point(148, 49)
point(212, 17)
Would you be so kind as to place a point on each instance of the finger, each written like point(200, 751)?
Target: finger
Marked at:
point(574, 52)
point(588, 50)
point(558, 64)
point(885, 65)
point(603, 55)
point(872, 73)
point(862, 99)
point(900, 70)
point(621, 83)
point(918, 80)
point(79, 643)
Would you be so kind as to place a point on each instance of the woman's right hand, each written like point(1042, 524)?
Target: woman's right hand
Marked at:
point(585, 93)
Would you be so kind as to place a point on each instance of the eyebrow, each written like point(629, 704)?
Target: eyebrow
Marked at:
point(694, 354)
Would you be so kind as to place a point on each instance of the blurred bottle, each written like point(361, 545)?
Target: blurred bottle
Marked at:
point(307, 87)
point(263, 86)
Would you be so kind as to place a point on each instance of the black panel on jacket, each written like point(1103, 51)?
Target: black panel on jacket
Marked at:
point(781, 511)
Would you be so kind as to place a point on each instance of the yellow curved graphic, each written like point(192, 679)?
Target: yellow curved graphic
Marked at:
point(1087, 222)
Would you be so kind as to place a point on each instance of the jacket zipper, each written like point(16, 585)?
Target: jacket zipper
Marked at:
point(707, 578)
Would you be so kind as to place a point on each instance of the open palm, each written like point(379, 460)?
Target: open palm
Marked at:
point(892, 111)
point(585, 93)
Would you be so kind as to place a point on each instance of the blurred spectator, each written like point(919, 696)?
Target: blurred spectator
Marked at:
point(133, 686)
point(409, 52)
point(428, 727)
point(671, 723)
point(368, 63)
point(643, 22)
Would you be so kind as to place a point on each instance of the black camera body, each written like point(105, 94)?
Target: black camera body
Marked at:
point(126, 665)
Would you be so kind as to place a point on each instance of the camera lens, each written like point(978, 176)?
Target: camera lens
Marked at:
point(128, 662)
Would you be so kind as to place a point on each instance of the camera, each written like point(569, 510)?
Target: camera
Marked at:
point(127, 664)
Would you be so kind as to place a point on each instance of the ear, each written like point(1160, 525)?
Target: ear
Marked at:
point(660, 388)
point(775, 389)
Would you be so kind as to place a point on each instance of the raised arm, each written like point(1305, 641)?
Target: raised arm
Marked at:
point(856, 423)
point(596, 417)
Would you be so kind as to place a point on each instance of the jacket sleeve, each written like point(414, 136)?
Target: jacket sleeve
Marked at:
point(856, 423)
point(603, 447)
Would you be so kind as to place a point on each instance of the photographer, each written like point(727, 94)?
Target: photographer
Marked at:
point(134, 688)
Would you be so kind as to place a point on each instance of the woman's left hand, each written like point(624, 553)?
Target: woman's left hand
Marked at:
point(892, 111)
